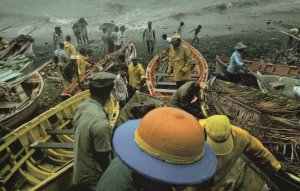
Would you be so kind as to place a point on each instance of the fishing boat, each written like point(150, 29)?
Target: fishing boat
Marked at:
point(245, 173)
point(14, 68)
point(16, 47)
point(273, 119)
point(108, 63)
point(266, 68)
point(279, 85)
point(138, 106)
point(162, 85)
point(38, 155)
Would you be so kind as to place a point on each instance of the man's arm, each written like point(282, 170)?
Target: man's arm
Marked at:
point(154, 35)
point(144, 36)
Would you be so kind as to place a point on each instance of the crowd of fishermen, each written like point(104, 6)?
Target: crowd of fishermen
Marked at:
point(170, 148)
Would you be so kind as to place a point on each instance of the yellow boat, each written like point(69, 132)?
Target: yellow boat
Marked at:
point(38, 155)
point(162, 85)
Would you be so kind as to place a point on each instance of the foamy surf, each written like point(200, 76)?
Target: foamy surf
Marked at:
point(61, 21)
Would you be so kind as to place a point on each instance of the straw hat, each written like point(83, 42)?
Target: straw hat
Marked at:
point(218, 130)
point(176, 36)
point(167, 145)
point(240, 46)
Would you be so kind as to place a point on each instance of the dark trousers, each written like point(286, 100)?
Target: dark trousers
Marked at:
point(234, 78)
point(150, 46)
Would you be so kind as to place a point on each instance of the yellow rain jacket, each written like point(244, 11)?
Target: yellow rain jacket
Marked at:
point(180, 62)
point(81, 64)
point(136, 74)
point(70, 50)
point(243, 143)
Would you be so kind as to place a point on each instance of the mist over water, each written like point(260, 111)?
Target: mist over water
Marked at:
point(24, 15)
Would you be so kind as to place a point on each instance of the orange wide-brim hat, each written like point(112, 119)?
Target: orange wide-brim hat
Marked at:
point(167, 145)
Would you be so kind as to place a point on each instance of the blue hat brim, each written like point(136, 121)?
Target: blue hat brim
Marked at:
point(141, 162)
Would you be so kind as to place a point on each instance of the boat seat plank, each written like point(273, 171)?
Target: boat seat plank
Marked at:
point(166, 83)
point(60, 131)
point(7, 105)
point(51, 145)
point(171, 75)
point(164, 90)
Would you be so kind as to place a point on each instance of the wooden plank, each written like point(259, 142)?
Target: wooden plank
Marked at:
point(171, 75)
point(7, 105)
point(51, 145)
point(166, 83)
point(165, 90)
point(60, 131)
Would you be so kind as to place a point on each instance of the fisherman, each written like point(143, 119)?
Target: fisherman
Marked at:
point(81, 63)
point(149, 35)
point(197, 30)
point(180, 28)
point(122, 35)
point(166, 39)
point(180, 61)
point(3, 43)
point(60, 56)
point(57, 37)
point(230, 142)
point(121, 85)
point(69, 70)
point(236, 63)
point(69, 48)
point(163, 151)
point(77, 32)
point(92, 143)
point(137, 76)
point(104, 38)
point(116, 35)
point(83, 30)
point(295, 32)
point(187, 98)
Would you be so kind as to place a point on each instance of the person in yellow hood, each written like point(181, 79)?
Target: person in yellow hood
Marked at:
point(69, 48)
point(229, 142)
point(137, 76)
point(180, 61)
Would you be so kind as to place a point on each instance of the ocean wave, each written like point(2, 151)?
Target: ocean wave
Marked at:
point(56, 20)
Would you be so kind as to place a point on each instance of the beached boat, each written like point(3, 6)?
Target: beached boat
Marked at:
point(273, 119)
point(17, 47)
point(14, 68)
point(162, 85)
point(266, 68)
point(38, 155)
point(19, 101)
point(279, 85)
point(128, 50)
point(245, 173)
point(138, 106)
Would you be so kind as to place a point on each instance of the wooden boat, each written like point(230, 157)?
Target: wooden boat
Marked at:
point(16, 47)
point(138, 106)
point(160, 84)
point(105, 64)
point(266, 68)
point(38, 155)
point(247, 175)
point(273, 119)
point(14, 68)
point(279, 85)
point(19, 101)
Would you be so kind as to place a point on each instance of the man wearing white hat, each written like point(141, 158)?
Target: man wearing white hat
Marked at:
point(236, 63)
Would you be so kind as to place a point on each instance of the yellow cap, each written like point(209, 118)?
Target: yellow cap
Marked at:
point(218, 130)
point(176, 36)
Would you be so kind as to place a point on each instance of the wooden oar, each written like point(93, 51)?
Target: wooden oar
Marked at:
point(295, 37)
point(5, 28)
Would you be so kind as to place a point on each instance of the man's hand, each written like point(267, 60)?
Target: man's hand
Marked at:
point(181, 72)
point(143, 80)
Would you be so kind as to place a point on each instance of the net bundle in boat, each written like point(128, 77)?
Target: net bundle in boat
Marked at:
point(273, 119)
